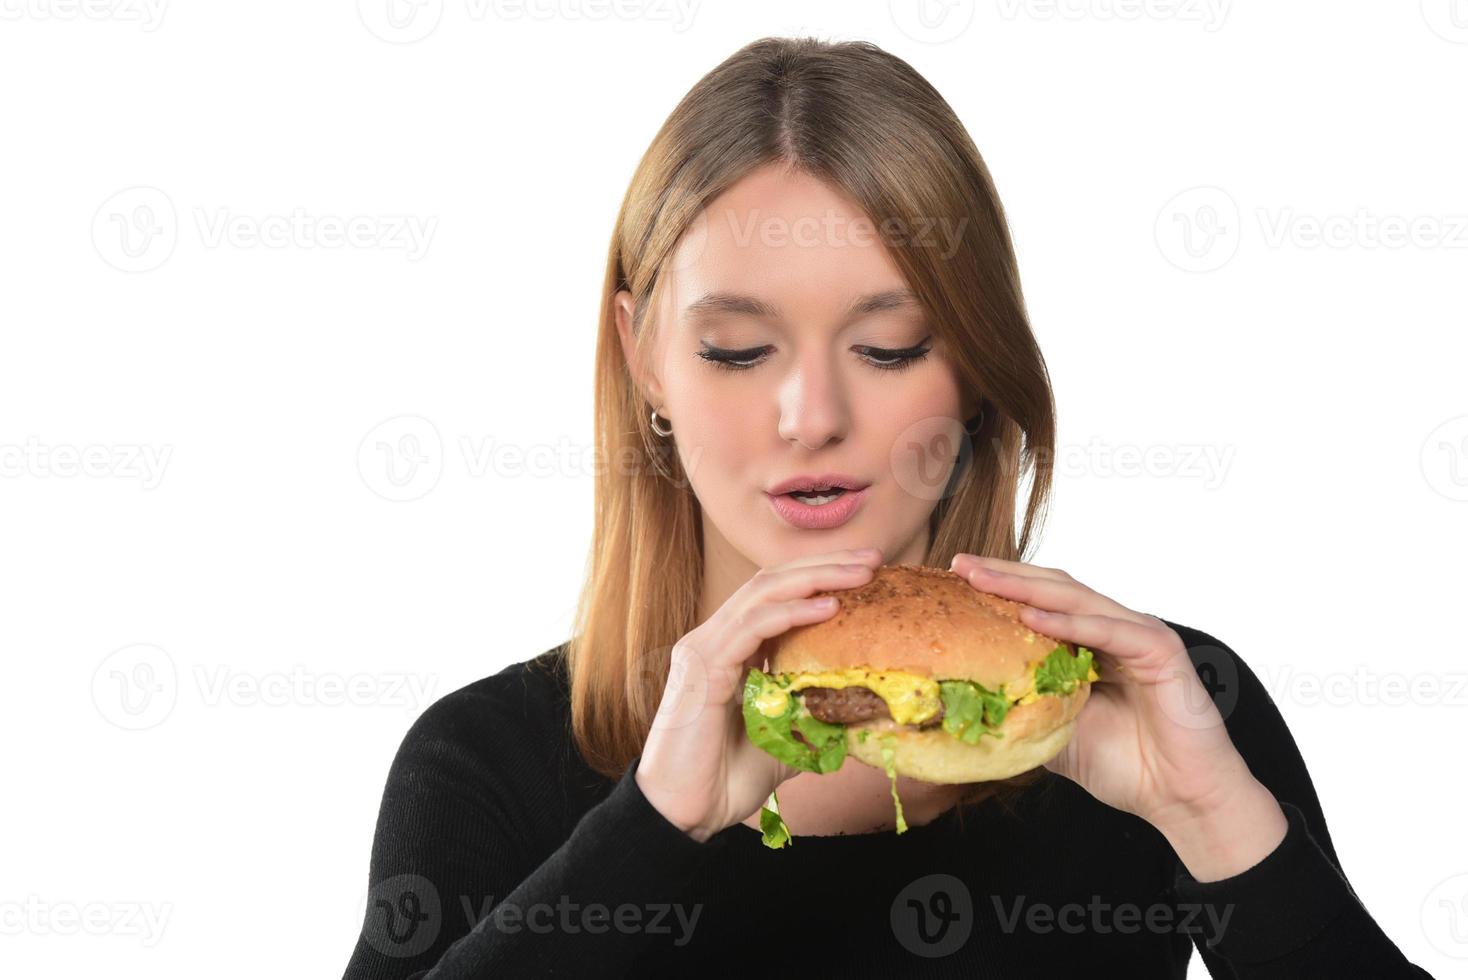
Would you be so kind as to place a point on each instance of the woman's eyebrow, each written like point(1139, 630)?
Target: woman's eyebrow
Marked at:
point(713, 306)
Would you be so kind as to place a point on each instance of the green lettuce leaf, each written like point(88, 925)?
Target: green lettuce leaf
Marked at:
point(889, 756)
point(971, 710)
point(1060, 672)
point(827, 748)
point(773, 832)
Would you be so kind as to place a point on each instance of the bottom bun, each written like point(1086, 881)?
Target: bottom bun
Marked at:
point(1033, 734)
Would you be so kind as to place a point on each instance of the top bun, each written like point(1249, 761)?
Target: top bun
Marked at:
point(926, 621)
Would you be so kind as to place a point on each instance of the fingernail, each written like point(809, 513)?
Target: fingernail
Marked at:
point(868, 552)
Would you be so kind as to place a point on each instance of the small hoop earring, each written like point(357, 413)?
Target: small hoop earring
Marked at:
point(659, 429)
point(977, 423)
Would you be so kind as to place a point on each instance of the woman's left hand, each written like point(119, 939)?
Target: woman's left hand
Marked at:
point(1149, 740)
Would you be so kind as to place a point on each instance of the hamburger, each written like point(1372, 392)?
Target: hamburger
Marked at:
point(922, 675)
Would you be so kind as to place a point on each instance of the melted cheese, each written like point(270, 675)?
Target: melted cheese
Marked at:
point(911, 698)
point(772, 702)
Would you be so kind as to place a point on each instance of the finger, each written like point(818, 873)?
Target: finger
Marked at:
point(1122, 642)
point(866, 556)
point(736, 643)
point(1060, 595)
point(963, 561)
point(773, 585)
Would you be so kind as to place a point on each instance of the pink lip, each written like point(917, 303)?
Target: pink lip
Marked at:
point(809, 481)
point(812, 517)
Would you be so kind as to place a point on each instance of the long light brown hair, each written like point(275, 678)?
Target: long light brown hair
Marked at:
point(864, 121)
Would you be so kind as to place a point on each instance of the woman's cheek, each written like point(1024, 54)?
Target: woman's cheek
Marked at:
point(921, 456)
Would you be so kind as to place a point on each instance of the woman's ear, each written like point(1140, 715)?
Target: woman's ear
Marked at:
point(647, 382)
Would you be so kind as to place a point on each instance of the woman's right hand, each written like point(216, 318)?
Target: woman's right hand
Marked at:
point(698, 768)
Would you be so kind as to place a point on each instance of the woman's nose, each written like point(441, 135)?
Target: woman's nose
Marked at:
point(813, 407)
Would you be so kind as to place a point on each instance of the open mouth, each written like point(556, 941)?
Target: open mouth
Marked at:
point(817, 498)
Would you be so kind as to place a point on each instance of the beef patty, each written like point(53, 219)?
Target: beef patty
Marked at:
point(844, 705)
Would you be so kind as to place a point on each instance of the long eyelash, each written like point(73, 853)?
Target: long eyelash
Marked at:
point(734, 360)
point(729, 360)
point(905, 358)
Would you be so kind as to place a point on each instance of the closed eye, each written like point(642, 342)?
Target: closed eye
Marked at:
point(881, 358)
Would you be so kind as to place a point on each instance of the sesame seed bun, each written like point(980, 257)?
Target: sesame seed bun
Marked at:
point(933, 623)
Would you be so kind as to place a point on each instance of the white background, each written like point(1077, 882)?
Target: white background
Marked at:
point(259, 558)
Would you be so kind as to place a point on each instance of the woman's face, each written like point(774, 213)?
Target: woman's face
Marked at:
point(787, 278)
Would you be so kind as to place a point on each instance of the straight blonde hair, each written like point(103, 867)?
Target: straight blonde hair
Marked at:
point(864, 121)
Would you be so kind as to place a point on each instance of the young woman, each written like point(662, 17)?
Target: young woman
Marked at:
point(811, 284)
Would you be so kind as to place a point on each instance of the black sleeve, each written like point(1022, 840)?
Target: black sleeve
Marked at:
point(1293, 914)
point(463, 885)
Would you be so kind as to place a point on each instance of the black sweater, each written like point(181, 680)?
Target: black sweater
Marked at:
point(499, 853)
